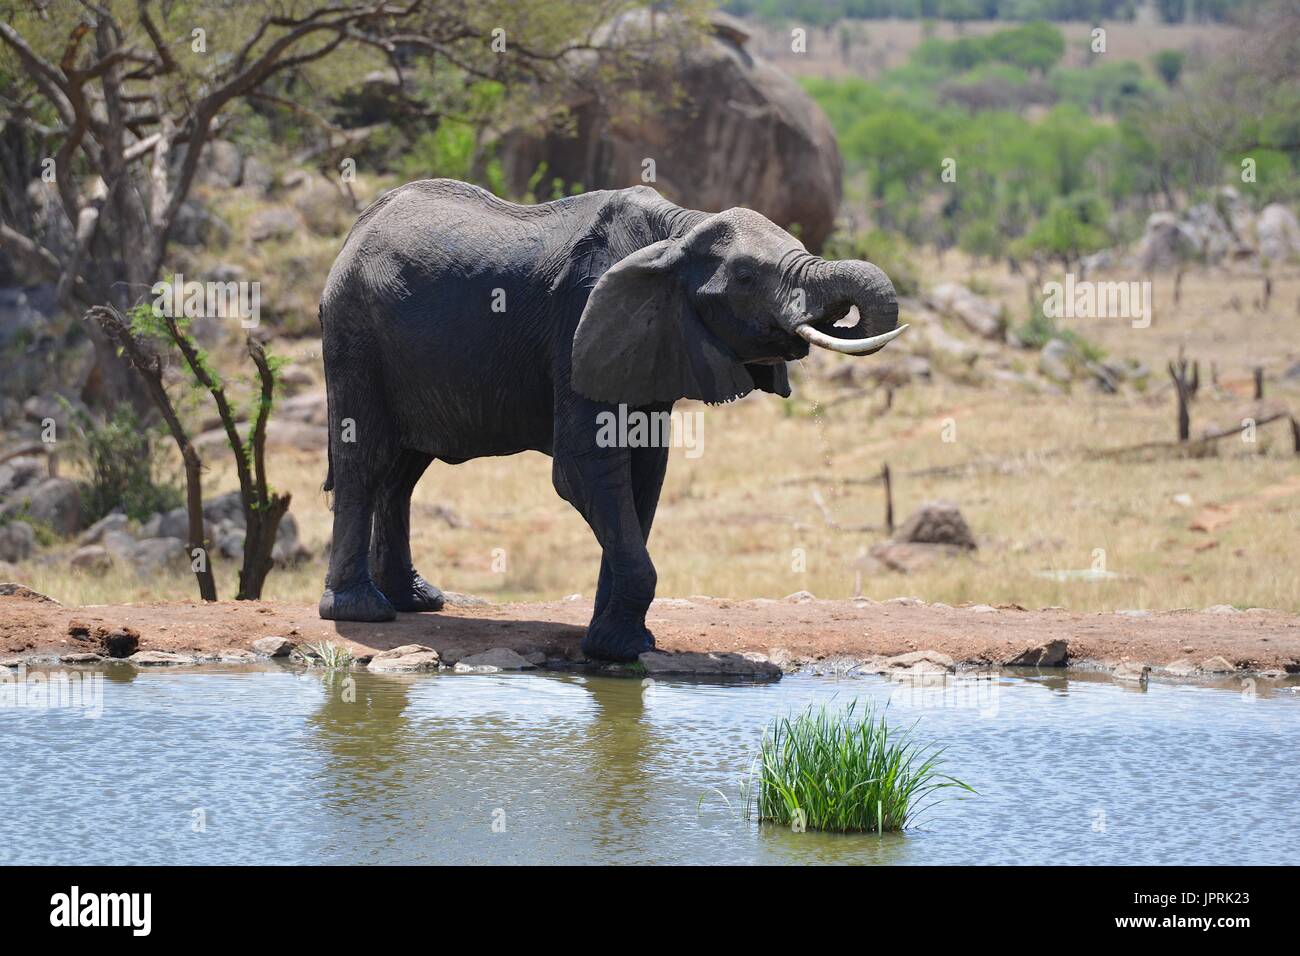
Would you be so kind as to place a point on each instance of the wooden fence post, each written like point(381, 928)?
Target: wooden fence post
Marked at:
point(889, 499)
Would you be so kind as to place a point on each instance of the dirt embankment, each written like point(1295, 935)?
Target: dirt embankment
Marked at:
point(788, 631)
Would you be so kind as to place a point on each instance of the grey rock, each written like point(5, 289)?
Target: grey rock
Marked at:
point(54, 502)
point(91, 559)
point(743, 133)
point(160, 659)
point(1058, 360)
point(277, 222)
point(1277, 233)
point(799, 597)
point(752, 667)
point(408, 657)
point(1217, 665)
point(1132, 672)
point(95, 533)
point(1181, 668)
point(11, 589)
point(982, 316)
point(158, 554)
point(1052, 654)
point(458, 599)
point(491, 661)
point(21, 472)
point(80, 657)
point(17, 541)
point(274, 646)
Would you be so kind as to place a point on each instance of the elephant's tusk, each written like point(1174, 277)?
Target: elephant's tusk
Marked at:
point(848, 346)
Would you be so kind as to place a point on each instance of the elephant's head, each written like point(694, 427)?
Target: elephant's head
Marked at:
point(716, 312)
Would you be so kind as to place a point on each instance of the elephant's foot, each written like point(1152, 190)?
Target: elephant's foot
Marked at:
point(360, 602)
point(418, 595)
point(608, 639)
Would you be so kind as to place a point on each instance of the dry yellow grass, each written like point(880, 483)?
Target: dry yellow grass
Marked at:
point(730, 521)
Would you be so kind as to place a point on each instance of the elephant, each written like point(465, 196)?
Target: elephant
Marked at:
point(456, 325)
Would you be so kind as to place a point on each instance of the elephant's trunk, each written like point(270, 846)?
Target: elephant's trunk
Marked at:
point(832, 288)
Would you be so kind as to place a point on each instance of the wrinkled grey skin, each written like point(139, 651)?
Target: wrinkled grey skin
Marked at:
point(609, 297)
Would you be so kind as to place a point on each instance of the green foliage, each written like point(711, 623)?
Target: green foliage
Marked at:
point(1073, 227)
point(1169, 65)
point(328, 655)
point(834, 770)
point(126, 464)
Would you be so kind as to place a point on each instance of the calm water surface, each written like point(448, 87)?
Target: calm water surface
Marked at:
point(278, 766)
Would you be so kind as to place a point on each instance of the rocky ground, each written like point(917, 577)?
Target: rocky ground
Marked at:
point(702, 635)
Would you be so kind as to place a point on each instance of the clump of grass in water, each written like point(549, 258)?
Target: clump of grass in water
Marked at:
point(331, 656)
point(833, 770)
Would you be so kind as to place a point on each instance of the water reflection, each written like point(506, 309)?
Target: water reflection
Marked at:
point(288, 766)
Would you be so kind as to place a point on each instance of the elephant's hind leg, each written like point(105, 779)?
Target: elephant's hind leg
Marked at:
point(362, 450)
point(390, 550)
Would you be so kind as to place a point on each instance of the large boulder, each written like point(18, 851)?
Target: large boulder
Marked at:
point(1166, 243)
point(742, 134)
point(55, 503)
point(982, 316)
point(17, 541)
point(22, 472)
point(1278, 233)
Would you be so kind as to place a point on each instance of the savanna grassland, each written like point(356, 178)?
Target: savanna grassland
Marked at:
point(1023, 466)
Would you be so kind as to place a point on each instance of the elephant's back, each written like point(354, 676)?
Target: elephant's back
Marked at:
point(444, 233)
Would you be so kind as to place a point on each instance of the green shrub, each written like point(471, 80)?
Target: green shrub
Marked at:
point(126, 465)
point(833, 770)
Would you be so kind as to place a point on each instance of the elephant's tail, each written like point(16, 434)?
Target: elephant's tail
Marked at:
point(329, 431)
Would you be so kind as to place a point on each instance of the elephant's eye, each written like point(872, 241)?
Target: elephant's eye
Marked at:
point(745, 277)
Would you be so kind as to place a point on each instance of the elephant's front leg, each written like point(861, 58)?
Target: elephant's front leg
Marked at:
point(600, 485)
point(390, 548)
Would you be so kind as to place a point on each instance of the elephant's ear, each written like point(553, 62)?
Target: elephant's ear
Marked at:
point(639, 340)
point(771, 378)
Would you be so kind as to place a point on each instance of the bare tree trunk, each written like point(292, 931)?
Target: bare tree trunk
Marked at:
point(149, 366)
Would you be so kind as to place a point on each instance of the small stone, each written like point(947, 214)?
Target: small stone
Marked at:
point(159, 658)
point(237, 656)
point(1181, 668)
point(1221, 609)
point(491, 661)
point(408, 657)
point(1132, 672)
point(1133, 613)
point(1052, 654)
point(661, 664)
point(274, 646)
point(457, 599)
point(906, 602)
point(799, 597)
point(80, 658)
point(913, 658)
point(1217, 665)
point(982, 609)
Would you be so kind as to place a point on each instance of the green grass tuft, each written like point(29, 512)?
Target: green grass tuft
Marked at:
point(330, 656)
point(833, 770)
